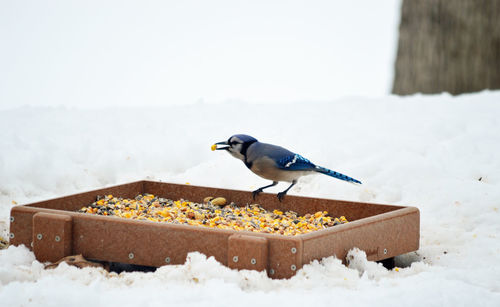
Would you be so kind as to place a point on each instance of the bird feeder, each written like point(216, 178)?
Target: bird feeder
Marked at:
point(54, 229)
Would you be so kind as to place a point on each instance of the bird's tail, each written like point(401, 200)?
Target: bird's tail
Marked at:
point(335, 174)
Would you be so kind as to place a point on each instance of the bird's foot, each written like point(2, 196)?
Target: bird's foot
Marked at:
point(281, 195)
point(256, 193)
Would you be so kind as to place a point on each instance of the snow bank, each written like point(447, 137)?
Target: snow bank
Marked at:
point(438, 153)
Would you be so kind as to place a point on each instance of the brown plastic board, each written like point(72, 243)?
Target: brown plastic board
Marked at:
point(53, 229)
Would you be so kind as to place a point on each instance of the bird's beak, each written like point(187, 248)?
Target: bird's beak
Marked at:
point(216, 146)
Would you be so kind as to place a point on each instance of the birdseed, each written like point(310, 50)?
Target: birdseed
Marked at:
point(214, 213)
point(3, 243)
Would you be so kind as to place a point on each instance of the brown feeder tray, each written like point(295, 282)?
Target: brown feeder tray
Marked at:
point(53, 229)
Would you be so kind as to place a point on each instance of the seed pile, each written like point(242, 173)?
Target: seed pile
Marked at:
point(214, 212)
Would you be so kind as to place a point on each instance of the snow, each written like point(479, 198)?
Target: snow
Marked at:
point(438, 153)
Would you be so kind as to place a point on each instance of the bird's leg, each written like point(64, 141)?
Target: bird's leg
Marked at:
point(281, 195)
point(256, 192)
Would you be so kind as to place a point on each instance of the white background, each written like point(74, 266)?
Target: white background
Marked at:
point(116, 53)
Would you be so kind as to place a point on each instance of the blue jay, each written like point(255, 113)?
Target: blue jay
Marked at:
point(273, 162)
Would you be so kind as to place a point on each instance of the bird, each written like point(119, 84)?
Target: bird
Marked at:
point(273, 162)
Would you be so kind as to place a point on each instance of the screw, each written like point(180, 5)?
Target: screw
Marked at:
point(253, 261)
point(39, 236)
point(235, 259)
point(131, 256)
point(58, 238)
point(12, 219)
point(11, 235)
point(385, 251)
point(271, 272)
point(293, 267)
point(294, 250)
point(167, 260)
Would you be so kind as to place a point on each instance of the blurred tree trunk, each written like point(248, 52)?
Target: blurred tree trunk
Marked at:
point(448, 45)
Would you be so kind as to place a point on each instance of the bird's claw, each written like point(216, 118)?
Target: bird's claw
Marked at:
point(281, 195)
point(256, 193)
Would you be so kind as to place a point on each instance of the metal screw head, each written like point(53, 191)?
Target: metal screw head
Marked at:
point(167, 260)
point(293, 267)
point(385, 251)
point(58, 238)
point(11, 235)
point(131, 256)
point(39, 236)
point(12, 219)
point(253, 261)
point(294, 250)
point(271, 272)
point(235, 259)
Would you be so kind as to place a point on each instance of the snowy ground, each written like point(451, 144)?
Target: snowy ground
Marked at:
point(438, 153)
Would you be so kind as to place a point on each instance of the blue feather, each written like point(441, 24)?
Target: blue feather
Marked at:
point(295, 163)
point(335, 174)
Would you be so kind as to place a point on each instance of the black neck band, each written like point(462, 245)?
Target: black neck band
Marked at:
point(245, 146)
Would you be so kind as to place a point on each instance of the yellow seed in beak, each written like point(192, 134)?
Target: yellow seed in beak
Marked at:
point(214, 147)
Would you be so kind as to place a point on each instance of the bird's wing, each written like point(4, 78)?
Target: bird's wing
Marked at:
point(295, 162)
